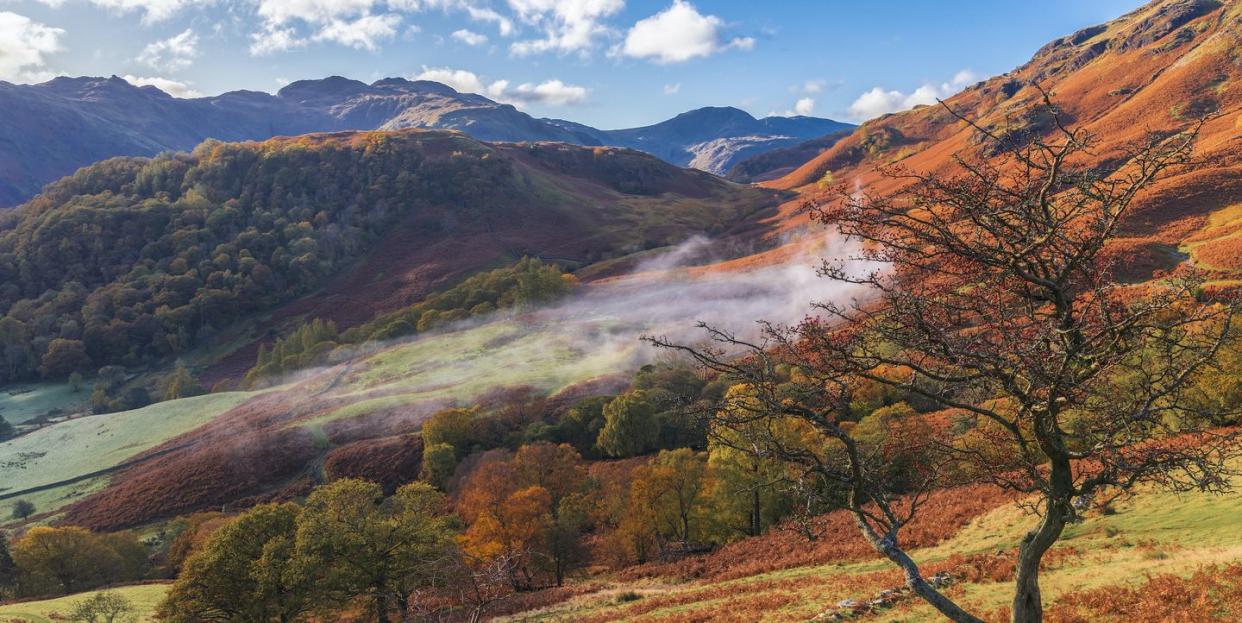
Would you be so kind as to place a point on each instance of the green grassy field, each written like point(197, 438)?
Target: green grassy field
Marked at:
point(22, 403)
point(461, 365)
point(145, 597)
point(89, 444)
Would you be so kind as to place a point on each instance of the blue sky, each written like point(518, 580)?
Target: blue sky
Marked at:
point(608, 63)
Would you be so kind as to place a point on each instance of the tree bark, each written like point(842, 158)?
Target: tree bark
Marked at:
point(1028, 606)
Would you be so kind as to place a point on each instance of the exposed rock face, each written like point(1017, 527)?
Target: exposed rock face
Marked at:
point(49, 130)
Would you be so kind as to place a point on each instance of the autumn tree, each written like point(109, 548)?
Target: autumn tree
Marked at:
point(528, 509)
point(988, 290)
point(355, 543)
point(244, 573)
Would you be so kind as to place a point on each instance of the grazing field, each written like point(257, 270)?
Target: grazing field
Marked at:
point(145, 597)
point(90, 444)
point(20, 404)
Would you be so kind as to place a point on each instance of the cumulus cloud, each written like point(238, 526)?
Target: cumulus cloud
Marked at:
point(172, 54)
point(879, 101)
point(802, 108)
point(678, 34)
point(24, 46)
point(672, 89)
point(174, 88)
point(350, 23)
point(274, 39)
point(549, 92)
point(469, 37)
point(566, 25)
point(364, 33)
point(152, 10)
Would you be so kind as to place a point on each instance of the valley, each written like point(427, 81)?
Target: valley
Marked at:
point(394, 351)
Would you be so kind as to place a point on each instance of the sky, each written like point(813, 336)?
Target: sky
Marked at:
point(607, 63)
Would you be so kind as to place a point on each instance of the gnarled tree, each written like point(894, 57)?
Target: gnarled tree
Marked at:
point(993, 295)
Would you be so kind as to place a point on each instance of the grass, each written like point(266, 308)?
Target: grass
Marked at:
point(145, 597)
point(1155, 532)
point(458, 366)
point(88, 444)
point(21, 403)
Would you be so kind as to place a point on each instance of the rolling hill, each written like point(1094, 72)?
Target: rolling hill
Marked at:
point(53, 128)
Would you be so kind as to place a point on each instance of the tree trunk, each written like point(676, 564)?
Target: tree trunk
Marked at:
point(756, 515)
point(381, 608)
point(1028, 606)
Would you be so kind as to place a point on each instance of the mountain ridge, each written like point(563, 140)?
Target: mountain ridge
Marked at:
point(56, 127)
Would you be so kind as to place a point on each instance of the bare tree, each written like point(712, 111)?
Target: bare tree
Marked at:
point(995, 297)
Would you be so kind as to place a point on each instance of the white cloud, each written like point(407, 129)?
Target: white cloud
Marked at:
point(364, 33)
point(152, 10)
point(678, 34)
point(802, 108)
point(549, 92)
point(274, 39)
point(172, 87)
point(469, 37)
point(672, 89)
point(878, 101)
point(24, 44)
point(567, 25)
point(279, 12)
point(172, 54)
point(812, 87)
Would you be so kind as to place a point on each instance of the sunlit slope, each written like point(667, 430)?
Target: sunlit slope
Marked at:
point(1154, 533)
point(1159, 68)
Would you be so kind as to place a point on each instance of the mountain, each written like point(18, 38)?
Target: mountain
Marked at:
point(51, 129)
point(776, 163)
point(714, 139)
point(1159, 68)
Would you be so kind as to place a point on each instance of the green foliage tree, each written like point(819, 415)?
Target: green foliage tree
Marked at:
point(104, 607)
point(69, 559)
point(75, 381)
point(356, 543)
point(181, 383)
point(23, 509)
point(630, 425)
point(439, 463)
point(244, 573)
point(9, 571)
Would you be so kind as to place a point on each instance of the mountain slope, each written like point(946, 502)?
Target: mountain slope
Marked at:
point(132, 260)
point(51, 129)
point(1158, 68)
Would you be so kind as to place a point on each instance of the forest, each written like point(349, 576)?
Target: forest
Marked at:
point(135, 260)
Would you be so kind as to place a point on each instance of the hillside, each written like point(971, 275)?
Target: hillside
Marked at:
point(51, 129)
point(359, 224)
point(1159, 68)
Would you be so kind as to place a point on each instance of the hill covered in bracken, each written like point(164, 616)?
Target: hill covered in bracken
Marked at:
point(1159, 68)
point(139, 259)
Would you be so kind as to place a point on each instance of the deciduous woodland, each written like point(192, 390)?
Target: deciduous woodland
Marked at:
point(408, 375)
